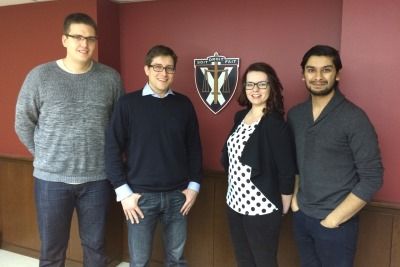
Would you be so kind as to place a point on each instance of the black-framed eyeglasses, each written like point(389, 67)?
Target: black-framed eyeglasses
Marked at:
point(80, 38)
point(260, 85)
point(160, 68)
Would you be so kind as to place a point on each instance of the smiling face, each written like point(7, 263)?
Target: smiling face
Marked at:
point(161, 81)
point(257, 96)
point(320, 75)
point(79, 51)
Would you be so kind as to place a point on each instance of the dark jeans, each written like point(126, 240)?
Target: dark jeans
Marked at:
point(255, 238)
point(161, 207)
point(323, 247)
point(55, 203)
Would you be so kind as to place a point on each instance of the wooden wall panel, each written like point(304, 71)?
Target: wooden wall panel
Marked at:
point(287, 251)
point(223, 255)
point(19, 227)
point(395, 252)
point(2, 174)
point(208, 241)
point(74, 251)
point(199, 249)
point(373, 245)
point(18, 206)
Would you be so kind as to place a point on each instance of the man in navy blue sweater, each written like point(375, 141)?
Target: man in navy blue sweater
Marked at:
point(153, 160)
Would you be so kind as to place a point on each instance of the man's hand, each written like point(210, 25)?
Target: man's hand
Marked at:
point(293, 204)
point(190, 199)
point(286, 202)
point(131, 208)
point(328, 223)
point(348, 208)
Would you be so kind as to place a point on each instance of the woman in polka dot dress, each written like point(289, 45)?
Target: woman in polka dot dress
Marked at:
point(258, 157)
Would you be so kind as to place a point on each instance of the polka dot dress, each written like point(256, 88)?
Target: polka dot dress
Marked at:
point(243, 196)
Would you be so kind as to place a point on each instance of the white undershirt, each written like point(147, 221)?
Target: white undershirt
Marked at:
point(61, 64)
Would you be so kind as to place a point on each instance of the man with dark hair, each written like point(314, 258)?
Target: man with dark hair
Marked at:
point(339, 165)
point(61, 114)
point(156, 130)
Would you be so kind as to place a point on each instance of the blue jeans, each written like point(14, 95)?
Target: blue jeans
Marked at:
point(164, 207)
point(323, 247)
point(55, 203)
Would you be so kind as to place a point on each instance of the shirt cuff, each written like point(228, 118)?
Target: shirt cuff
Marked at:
point(194, 186)
point(123, 192)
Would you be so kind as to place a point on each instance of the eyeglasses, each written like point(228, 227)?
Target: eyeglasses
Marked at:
point(160, 68)
point(260, 85)
point(80, 38)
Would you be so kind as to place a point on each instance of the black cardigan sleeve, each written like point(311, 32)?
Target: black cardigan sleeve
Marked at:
point(281, 145)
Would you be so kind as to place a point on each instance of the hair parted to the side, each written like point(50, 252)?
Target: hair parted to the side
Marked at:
point(275, 99)
point(323, 50)
point(78, 18)
point(160, 50)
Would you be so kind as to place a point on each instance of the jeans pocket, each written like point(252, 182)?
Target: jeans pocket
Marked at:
point(179, 196)
point(329, 228)
point(149, 202)
point(295, 212)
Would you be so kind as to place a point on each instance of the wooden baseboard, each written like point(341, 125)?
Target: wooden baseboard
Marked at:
point(35, 254)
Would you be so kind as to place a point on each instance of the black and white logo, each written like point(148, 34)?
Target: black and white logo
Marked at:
point(216, 80)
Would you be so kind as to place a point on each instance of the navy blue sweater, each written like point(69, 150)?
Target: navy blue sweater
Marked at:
point(153, 144)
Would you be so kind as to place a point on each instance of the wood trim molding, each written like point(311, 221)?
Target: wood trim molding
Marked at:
point(392, 208)
point(17, 158)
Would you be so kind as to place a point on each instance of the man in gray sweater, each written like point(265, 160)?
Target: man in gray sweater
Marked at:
point(61, 114)
point(339, 165)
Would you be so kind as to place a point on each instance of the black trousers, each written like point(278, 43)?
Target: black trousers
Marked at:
point(255, 238)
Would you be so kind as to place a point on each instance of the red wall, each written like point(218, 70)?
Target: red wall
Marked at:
point(277, 32)
point(108, 32)
point(30, 35)
point(371, 58)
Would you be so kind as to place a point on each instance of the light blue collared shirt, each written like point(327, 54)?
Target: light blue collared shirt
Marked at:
point(148, 91)
point(125, 191)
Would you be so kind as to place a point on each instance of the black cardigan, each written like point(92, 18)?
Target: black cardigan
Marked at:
point(270, 153)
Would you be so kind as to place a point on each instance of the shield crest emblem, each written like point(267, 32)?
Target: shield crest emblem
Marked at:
point(216, 80)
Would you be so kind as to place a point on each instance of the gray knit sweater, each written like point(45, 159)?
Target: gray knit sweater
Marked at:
point(61, 119)
point(337, 154)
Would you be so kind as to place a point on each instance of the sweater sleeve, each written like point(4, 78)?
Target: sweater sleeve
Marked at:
point(194, 149)
point(120, 91)
point(27, 111)
point(116, 139)
point(363, 142)
point(283, 153)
